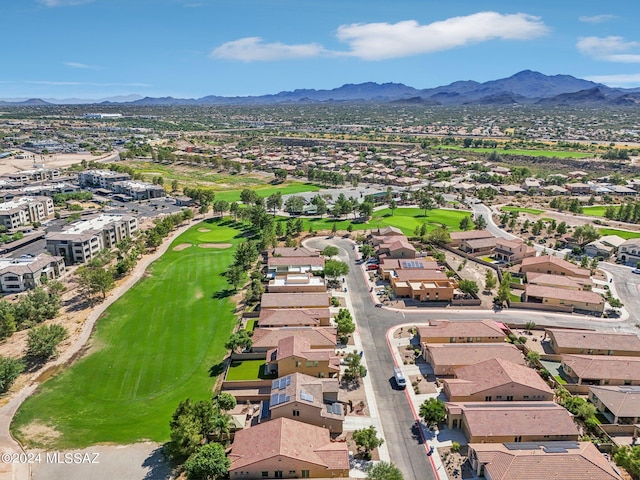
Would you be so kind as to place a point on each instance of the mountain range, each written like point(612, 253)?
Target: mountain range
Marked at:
point(525, 88)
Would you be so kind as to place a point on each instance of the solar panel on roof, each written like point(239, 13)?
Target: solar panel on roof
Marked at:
point(411, 264)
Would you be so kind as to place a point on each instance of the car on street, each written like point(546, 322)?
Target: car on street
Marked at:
point(379, 305)
point(372, 266)
point(636, 270)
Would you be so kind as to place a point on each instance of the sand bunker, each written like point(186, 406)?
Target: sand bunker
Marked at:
point(182, 246)
point(214, 245)
point(203, 230)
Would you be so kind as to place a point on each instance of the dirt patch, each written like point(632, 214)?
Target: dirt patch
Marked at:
point(456, 462)
point(199, 294)
point(39, 433)
point(182, 246)
point(215, 245)
point(203, 230)
point(421, 385)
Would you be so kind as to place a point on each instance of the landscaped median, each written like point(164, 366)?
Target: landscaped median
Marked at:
point(152, 349)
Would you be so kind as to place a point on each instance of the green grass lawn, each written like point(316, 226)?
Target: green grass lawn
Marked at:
point(251, 325)
point(266, 190)
point(532, 153)
point(406, 219)
point(621, 233)
point(151, 349)
point(247, 370)
point(532, 211)
point(594, 211)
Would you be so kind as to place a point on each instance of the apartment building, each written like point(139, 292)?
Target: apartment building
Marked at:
point(85, 239)
point(138, 190)
point(101, 178)
point(27, 272)
point(25, 210)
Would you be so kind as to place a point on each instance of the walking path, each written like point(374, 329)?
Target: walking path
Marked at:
point(9, 448)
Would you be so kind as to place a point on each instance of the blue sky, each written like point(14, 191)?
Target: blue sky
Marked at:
point(192, 48)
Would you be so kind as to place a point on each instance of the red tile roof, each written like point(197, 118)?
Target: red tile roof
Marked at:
point(544, 461)
point(289, 439)
point(292, 316)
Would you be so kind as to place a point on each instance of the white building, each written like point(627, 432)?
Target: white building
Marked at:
point(86, 239)
point(27, 272)
point(24, 210)
point(139, 190)
point(101, 178)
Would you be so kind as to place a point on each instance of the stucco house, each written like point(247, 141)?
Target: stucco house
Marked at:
point(587, 342)
point(620, 404)
point(521, 461)
point(445, 331)
point(629, 251)
point(294, 317)
point(285, 448)
point(294, 354)
point(553, 265)
point(601, 369)
point(496, 380)
point(308, 399)
point(512, 422)
point(444, 358)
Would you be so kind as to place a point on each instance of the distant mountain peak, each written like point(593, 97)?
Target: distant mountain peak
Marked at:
point(524, 87)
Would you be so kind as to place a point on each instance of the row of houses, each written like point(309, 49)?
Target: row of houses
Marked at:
point(301, 407)
point(504, 408)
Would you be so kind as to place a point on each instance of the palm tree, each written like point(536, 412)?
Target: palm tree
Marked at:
point(221, 427)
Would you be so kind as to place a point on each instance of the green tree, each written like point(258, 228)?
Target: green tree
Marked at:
point(465, 223)
point(426, 204)
point(330, 251)
point(43, 341)
point(504, 290)
point(220, 206)
point(10, 369)
point(433, 411)
point(335, 268)
point(95, 280)
point(355, 370)
point(490, 280)
point(294, 205)
point(7, 319)
point(365, 209)
point(225, 401)
point(480, 222)
point(274, 202)
point(533, 358)
point(530, 325)
point(439, 236)
point(239, 341)
point(392, 206)
point(235, 276)
point(367, 440)
point(468, 286)
point(629, 459)
point(366, 250)
point(189, 425)
point(345, 323)
point(175, 186)
point(280, 174)
point(383, 471)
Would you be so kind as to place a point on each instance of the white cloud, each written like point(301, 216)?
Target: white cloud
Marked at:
point(620, 80)
point(609, 49)
point(63, 3)
point(377, 41)
point(79, 65)
point(253, 49)
point(597, 18)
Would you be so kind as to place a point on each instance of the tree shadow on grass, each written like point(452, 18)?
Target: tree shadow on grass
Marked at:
point(218, 369)
point(158, 465)
point(222, 294)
